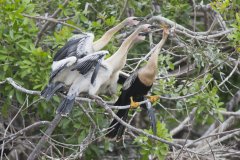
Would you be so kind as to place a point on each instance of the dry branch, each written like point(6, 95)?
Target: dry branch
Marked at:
point(100, 102)
point(52, 20)
point(44, 138)
point(24, 130)
point(182, 125)
point(19, 87)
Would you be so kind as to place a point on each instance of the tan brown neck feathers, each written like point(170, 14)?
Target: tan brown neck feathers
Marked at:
point(104, 40)
point(147, 73)
point(118, 59)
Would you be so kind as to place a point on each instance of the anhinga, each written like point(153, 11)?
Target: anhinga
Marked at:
point(77, 47)
point(108, 72)
point(106, 82)
point(135, 88)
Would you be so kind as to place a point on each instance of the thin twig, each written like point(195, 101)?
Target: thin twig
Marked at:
point(44, 138)
point(100, 102)
point(40, 33)
point(5, 132)
point(52, 20)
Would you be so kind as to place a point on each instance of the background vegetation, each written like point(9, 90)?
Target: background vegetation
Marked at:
point(198, 76)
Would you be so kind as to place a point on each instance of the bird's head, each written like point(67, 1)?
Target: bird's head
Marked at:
point(147, 28)
point(132, 21)
point(141, 36)
point(102, 53)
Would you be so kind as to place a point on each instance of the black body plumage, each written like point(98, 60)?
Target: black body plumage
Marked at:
point(66, 106)
point(50, 89)
point(132, 87)
point(70, 49)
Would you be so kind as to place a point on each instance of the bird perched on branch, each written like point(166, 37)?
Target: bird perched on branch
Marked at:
point(135, 88)
point(107, 73)
point(106, 82)
point(77, 47)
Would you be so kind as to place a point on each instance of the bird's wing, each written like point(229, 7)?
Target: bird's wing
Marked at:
point(74, 47)
point(95, 72)
point(129, 81)
point(84, 65)
point(69, 49)
point(55, 72)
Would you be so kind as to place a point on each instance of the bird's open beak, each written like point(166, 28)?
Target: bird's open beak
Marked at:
point(139, 19)
point(143, 33)
point(154, 27)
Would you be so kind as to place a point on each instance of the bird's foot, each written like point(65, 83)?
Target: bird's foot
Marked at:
point(154, 98)
point(133, 104)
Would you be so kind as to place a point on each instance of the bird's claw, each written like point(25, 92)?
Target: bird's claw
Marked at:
point(133, 104)
point(154, 98)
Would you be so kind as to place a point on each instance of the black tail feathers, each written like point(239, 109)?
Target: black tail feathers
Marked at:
point(50, 90)
point(66, 106)
point(152, 117)
point(116, 129)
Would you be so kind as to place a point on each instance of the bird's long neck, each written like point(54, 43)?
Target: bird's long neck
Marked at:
point(104, 40)
point(147, 73)
point(118, 59)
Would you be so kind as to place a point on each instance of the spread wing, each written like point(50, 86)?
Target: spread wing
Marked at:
point(77, 46)
point(129, 81)
point(69, 49)
point(95, 72)
point(55, 72)
point(85, 64)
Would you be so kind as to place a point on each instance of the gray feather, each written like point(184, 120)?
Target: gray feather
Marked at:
point(130, 80)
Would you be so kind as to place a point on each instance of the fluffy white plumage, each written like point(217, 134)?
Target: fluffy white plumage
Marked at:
point(85, 46)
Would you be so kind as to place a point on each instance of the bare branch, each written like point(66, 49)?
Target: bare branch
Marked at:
point(52, 20)
point(44, 138)
point(40, 33)
point(184, 122)
point(19, 87)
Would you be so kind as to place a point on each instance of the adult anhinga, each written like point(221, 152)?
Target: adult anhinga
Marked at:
point(107, 73)
point(77, 47)
point(135, 88)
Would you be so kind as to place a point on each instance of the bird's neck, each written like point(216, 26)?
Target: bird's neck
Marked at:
point(148, 73)
point(118, 59)
point(104, 40)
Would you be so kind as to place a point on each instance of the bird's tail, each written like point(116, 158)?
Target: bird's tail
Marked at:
point(116, 129)
point(50, 89)
point(66, 106)
point(152, 117)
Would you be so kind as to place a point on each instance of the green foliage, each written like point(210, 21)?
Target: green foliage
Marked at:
point(19, 58)
point(29, 66)
point(152, 148)
point(230, 10)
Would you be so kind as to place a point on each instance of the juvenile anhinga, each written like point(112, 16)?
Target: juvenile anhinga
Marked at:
point(107, 73)
point(77, 47)
point(135, 88)
point(106, 82)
